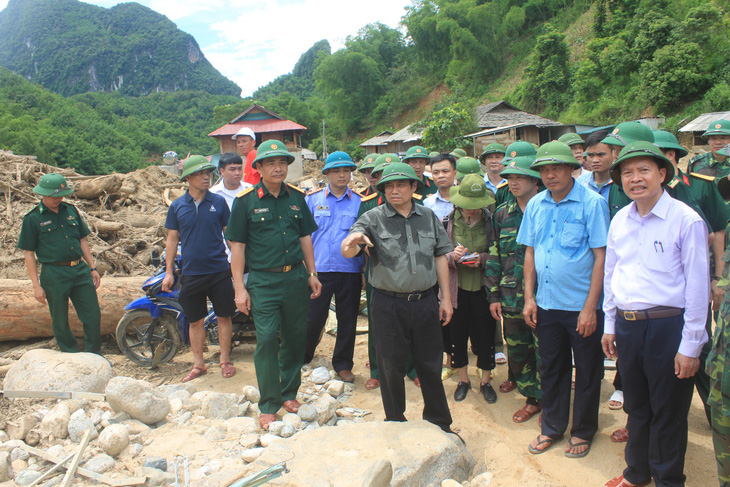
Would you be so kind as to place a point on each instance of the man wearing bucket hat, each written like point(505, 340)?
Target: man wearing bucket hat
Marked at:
point(197, 220)
point(505, 281)
point(713, 163)
point(271, 230)
point(491, 159)
point(335, 209)
point(366, 168)
point(565, 228)
point(656, 293)
point(407, 245)
point(245, 140)
point(417, 158)
point(54, 233)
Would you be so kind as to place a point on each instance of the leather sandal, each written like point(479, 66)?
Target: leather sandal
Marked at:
point(265, 420)
point(292, 406)
point(524, 415)
point(507, 386)
point(620, 481)
point(621, 435)
point(227, 370)
point(372, 384)
point(194, 373)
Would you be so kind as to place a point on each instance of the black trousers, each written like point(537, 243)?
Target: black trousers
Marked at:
point(472, 320)
point(399, 326)
point(656, 401)
point(557, 335)
point(346, 287)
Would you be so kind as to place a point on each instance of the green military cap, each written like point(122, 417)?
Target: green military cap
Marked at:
point(459, 153)
point(571, 138)
point(627, 132)
point(493, 148)
point(518, 149)
point(471, 194)
point(53, 184)
point(272, 148)
point(554, 152)
point(368, 163)
point(397, 171)
point(194, 164)
point(467, 165)
point(433, 154)
point(384, 160)
point(416, 152)
point(718, 127)
point(667, 140)
point(641, 148)
point(521, 167)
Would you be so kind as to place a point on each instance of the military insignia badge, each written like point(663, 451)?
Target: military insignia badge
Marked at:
point(274, 146)
point(718, 126)
point(615, 131)
point(514, 153)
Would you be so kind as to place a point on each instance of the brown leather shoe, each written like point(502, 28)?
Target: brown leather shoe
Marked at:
point(292, 406)
point(346, 375)
point(372, 384)
point(507, 386)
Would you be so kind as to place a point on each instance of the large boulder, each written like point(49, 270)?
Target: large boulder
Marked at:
point(419, 454)
point(137, 398)
point(49, 370)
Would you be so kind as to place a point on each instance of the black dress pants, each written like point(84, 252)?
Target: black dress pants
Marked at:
point(400, 325)
point(472, 320)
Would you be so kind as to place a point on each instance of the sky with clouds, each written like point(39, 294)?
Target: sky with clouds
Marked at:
point(253, 41)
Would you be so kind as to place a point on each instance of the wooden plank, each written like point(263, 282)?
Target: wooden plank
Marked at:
point(51, 471)
point(77, 459)
point(94, 396)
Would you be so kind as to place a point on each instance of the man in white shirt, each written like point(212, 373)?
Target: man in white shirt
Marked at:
point(657, 289)
point(443, 172)
point(230, 167)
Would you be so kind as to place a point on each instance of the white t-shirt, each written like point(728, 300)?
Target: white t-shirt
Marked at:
point(229, 195)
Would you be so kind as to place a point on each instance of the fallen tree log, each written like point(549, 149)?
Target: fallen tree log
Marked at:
point(22, 317)
point(92, 189)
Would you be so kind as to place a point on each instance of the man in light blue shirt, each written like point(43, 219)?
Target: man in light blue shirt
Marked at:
point(600, 158)
point(443, 172)
point(492, 158)
point(564, 230)
point(335, 210)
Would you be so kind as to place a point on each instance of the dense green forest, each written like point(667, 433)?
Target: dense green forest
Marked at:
point(71, 47)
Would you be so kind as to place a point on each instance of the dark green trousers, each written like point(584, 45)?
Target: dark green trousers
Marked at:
point(62, 283)
point(279, 302)
point(523, 357)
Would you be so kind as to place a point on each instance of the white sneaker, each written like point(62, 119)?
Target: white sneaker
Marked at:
point(500, 358)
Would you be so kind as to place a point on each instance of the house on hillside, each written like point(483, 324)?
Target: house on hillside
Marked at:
point(265, 124)
point(397, 143)
point(690, 136)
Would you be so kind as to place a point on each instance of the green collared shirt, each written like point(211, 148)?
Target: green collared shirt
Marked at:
point(709, 166)
point(270, 226)
point(429, 187)
point(54, 237)
point(707, 196)
point(475, 239)
point(403, 252)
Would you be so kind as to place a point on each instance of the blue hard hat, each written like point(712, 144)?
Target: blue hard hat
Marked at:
point(338, 159)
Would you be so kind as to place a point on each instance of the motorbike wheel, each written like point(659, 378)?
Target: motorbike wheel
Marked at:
point(139, 336)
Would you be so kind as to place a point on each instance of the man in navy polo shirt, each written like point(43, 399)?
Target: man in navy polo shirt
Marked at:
point(198, 219)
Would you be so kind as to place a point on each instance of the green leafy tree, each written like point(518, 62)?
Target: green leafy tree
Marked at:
point(674, 75)
point(443, 129)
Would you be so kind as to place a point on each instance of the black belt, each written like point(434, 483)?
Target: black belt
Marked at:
point(415, 296)
point(284, 268)
point(68, 263)
point(650, 314)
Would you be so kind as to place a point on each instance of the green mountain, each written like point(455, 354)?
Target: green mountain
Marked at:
point(72, 47)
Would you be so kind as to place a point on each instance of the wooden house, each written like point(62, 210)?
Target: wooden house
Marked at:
point(690, 135)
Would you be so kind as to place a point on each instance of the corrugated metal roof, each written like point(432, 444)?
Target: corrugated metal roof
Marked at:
point(258, 126)
point(701, 123)
point(502, 114)
point(495, 130)
point(376, 141)
point(403, 135)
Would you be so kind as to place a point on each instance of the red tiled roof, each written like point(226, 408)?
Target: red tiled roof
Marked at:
point(258, 126)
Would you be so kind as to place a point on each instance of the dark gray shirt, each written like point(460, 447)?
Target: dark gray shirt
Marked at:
point(403, 252)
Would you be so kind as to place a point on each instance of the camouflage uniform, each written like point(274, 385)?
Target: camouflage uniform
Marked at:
point(505, 281)
point(708, 165)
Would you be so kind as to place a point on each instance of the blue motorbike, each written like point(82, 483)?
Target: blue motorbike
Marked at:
point(154, 326)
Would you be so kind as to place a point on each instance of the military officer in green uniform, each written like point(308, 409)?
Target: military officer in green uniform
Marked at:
point(417, 158)
point(54, 232)
point(515, 149)
point(366, 168)
point(505, 280)
point(713, 163)
point(577, 146)
point(271, 230)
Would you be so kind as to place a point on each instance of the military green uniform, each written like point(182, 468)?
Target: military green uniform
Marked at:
point(429, 187)
point(708, 165)
point(56, 238)
point(504, 194)
point(271, 228)
point(505, 280)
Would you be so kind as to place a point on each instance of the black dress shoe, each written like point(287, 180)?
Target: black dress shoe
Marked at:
point(461, 391)
point(489, 394)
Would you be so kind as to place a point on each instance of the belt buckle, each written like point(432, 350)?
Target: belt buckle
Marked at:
point(630, 315)
point(286, 268)
point(415, 296)
point(74, 263)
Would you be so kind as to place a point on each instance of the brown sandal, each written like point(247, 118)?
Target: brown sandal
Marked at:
point(194, 373)
point(621, 435)
point(227, 370)
point(524, 415)
point(372, 384)
point(265, 420)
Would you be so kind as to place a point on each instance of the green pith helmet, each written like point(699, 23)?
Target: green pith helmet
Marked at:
point(272, 148)
point(195, 164)
point(667, 140)
point(518, 149)
point(368, 163)
point(554, 153)
point(571, 138)
point(641, 148)
point(471, 194)
point(458, 153)
point(433, 154)
point(467, 165)
point(718, 127)
point(627, 132)
point(396, 171)
point(493, 148)
point(383, 161)
point(521, 167)
point(53, 184)
point(416, 152)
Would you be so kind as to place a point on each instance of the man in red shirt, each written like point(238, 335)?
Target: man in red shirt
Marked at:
point(246, 148)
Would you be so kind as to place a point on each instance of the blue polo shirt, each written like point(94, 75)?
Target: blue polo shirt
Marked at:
point(334, 217)
point(201, 232)
point(588, 181)
point(563, 236)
